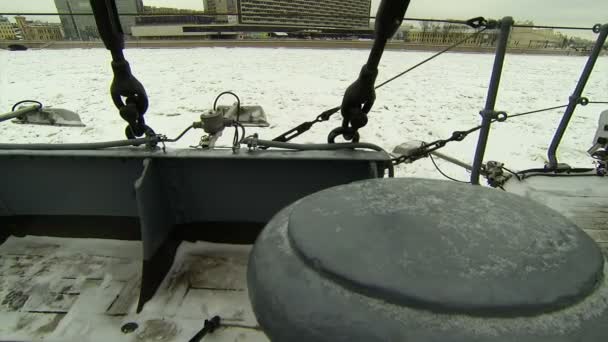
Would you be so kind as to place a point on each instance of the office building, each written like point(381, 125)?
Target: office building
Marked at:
point(222, 6)
point(307, 13)
point(83, 27)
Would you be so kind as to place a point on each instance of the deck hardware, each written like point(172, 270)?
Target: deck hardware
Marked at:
point(583, 101)
point(597, 28)
point(347, 132)
point(128, 94)
point(208, 328)
point(360, 96)
point(130, 327)
point(325, 116)
point(505, 24)
point(494, 172)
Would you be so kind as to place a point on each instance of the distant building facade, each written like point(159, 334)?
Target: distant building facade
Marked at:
point(148, 10)
point(35, 30)
point(83, 27)
point(306, 13)
point(521, 37)
point(7, 31)
point(527, 37)
point(145, 21)
point(222, 6)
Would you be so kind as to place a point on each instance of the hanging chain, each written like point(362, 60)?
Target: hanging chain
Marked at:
point(475, 23)
point(306, 126)
point(128, 94)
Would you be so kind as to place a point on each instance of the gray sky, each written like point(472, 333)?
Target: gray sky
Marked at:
point(547, 12)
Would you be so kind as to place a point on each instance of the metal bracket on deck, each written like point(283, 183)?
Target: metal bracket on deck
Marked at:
point(157, 221)
point(175, 190)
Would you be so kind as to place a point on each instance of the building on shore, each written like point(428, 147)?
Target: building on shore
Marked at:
point(170, 26)
point(36, 30)
point(528, 37)
point(7, 31)
point(220, 6)
point(306, 13)
point(151, 10)
point(521, 37)
point(271, 19)
point(83, 27)
point(215, 7)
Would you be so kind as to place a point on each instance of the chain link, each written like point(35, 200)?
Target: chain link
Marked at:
point(478, 22)
point(425, 149)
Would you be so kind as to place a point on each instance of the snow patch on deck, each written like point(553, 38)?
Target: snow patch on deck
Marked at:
point(54, 289)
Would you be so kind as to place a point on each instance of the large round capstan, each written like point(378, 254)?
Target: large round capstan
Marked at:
point(423, 260)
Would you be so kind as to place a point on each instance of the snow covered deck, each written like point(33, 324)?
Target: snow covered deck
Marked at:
point(56, 289)
point(584, 200)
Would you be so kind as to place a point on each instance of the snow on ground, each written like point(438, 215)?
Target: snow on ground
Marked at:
point(295, 85)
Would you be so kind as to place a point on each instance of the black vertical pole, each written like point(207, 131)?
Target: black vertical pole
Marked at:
point(488, 114)
point(576, 96)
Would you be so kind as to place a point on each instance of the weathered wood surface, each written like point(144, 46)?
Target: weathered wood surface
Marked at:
point(85, 290)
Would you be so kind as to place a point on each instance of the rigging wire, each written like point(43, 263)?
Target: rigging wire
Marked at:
point(473, 36)
point(325, 116)
point(427, 148)
point(579, 28)
point(443, 173)
point(287, 15)
point(179, 136)
point(536, 111)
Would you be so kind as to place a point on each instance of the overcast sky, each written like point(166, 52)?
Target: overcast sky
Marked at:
point(548, 12)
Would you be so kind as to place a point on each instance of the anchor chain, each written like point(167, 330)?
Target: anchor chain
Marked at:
point(476, 23)
point(135, 104)
point(128, 94)
point(496, 116)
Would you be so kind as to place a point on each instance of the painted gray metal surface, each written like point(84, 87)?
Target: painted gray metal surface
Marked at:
point(154, 208)
point(576, 95)
point(488, 114)
point(204, 186)
point(414, 236)
point(298, 296)
point(167, 189)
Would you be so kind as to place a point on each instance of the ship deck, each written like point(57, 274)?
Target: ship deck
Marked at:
point(70, 289)
point(63, 289)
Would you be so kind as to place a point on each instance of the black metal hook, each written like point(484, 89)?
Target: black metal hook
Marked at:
point(597, 28)
point(501, 116)
point(477, 22)
point(128, 94)
point(583, 101)
point(348, 133)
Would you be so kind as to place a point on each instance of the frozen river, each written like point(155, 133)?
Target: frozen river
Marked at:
point(295, 85)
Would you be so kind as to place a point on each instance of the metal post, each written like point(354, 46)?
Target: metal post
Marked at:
point(576, 96)
point(488, 114)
